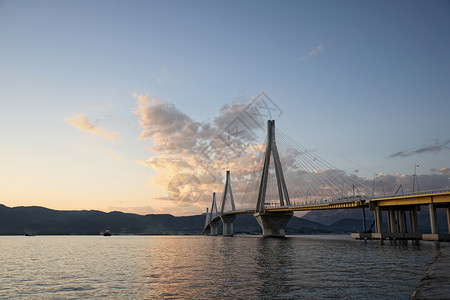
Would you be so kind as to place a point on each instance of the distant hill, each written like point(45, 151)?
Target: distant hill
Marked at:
point(41, 220)
point(329, 217)
point(346, 220)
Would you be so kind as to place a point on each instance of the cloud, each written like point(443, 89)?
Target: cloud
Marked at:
point(389, 184)
point(445, 171)
point(174, 132)
point(185, 148)
point(166, 163)
point(313, 52)
point(81, 122)
point(434, 148)
point(115, 154)
point(170, 129)
point(182, 145)
point(162, 76)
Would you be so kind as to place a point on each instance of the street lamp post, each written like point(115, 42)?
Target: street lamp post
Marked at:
point(382, 185)
point(375, 175)
point(415, 178)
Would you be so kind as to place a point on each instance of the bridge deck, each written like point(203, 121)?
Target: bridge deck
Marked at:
point(421, 198)
point(320, 206)
point(429, 197)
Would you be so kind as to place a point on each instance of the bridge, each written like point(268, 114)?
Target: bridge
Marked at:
point(313, 186)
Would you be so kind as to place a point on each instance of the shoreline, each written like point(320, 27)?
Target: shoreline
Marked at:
point(435, 284)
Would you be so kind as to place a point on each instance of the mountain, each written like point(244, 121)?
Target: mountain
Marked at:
point(345, 220)
point(41, 220)
point(329, 217)
point(248, 224)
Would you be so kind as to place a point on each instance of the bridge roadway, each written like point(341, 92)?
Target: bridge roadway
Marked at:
point(394, 205)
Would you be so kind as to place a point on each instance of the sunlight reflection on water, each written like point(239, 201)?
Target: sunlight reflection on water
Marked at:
point(200, 267)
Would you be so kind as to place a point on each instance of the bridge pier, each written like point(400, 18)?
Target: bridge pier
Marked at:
point(435, 235)
point(414, 222)
point(391, 221)
point(214, 231)
point(228, 224)
point(397, 223)
point(273, 224)
point(433, 219)
point(378, 220)
point(448, 218)
point(401, 221)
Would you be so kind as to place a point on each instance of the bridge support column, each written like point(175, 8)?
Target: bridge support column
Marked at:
point(401, 221)
point(214, 228)
point(378, 220)
point(391, 220)
point(228, 224)
point(414, 223)
point(433, 219)
point(448, 218)
point(273, 224)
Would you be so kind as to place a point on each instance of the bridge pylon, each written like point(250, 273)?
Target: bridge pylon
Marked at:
point(227, 220)
point(272, 224)
point(211, 227)
point(206, 228)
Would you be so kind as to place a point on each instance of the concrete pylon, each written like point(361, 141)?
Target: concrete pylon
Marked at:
point(414, 223)
point(228, 224)
point(378, 220)
point(448, 218)
point(391, 221)
point(433, 218)
point(214, 230)
point(206, 227)
point(227, 190)
point(227, 220)
point(271, 149)
point(272, 224)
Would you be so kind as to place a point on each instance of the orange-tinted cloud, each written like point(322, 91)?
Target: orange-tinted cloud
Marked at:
point(115, 154)
point(81, 122)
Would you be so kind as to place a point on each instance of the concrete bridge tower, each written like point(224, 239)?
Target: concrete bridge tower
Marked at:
point(273, 223)
point(213, 213)
point(227, 220)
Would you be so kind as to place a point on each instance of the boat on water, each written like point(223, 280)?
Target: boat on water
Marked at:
point(30, 234)
point(107, 232)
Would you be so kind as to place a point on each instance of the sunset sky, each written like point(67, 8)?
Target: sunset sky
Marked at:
point(103, 102)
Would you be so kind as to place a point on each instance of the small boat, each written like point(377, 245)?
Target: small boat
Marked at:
point(30, 234)
point(107, 232)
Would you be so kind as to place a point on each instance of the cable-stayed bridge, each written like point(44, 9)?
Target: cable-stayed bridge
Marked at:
point(291, 178)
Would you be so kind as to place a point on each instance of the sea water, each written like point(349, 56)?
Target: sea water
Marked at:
point(203, 267)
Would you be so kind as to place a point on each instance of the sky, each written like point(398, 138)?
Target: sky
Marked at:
point(109, 105)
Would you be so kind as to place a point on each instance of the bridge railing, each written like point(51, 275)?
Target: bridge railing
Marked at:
point(319, 202)
point(411, 194)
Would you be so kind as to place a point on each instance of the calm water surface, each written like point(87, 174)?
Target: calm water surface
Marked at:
point(200, 267)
